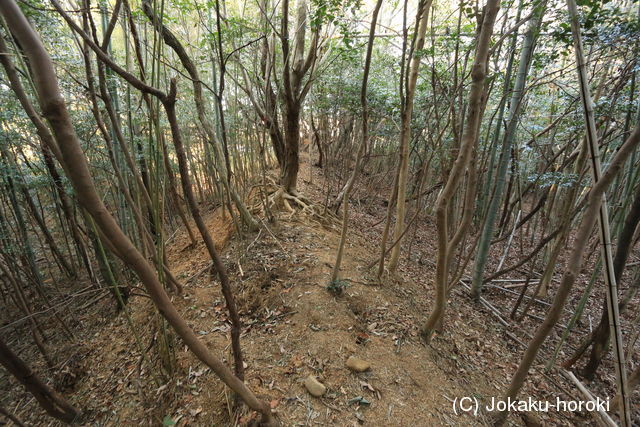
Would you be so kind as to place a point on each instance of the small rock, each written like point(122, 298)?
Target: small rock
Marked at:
point(314, 387)
point(357, 365)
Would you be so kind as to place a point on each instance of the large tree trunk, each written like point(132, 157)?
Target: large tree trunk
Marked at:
point(295, 67)
point(292, 142)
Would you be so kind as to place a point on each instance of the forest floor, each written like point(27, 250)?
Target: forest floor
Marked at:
point(294, 327)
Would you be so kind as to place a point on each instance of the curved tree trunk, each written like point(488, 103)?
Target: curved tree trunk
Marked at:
point(54, 109)
point(574, 264)
point(221, 164)
point(469, 139)
point(51, 401)
point(512, 120)
point(600, 336)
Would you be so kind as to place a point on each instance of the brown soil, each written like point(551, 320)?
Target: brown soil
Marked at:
point(294, 327)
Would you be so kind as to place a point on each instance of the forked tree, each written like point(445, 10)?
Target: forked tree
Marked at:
point(447, 245)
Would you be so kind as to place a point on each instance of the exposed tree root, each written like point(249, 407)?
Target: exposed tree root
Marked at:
point(293, 204)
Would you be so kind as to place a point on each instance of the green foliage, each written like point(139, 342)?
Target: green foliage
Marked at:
point(560, 179)
point(167, 421)
point(337, 287)
point(600, 20)
point(336, 12)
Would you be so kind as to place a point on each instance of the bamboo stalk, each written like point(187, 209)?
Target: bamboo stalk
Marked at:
point(603, 217)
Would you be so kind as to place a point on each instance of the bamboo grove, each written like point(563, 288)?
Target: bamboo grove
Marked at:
point(510, 127)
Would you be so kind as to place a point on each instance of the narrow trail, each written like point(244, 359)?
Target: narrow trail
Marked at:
point(294, 327)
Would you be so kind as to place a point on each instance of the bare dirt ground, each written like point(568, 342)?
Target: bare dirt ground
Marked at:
point(295, 327)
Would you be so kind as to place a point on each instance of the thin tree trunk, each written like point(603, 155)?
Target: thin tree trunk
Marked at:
point(55, 111)
point(46, 141)
point(512, 120)
point(603, 219)
point(221, 165)
point(574, 265)
point(361, 147)
point(51, 401)
point(236, 325)
point(405, 131)
point(600, 336)
point(469, 139)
